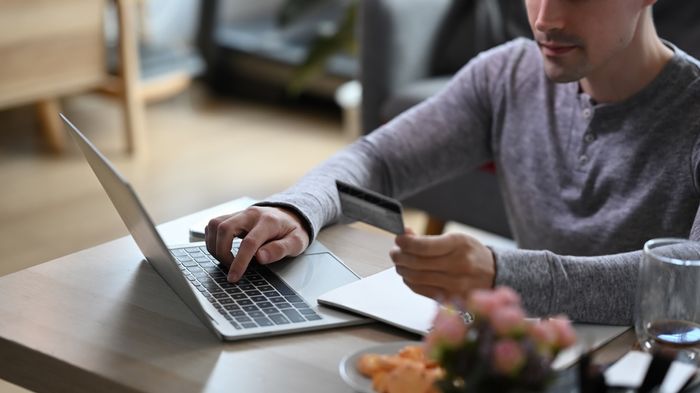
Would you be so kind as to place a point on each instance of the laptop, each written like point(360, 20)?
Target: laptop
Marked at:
point(269, 300)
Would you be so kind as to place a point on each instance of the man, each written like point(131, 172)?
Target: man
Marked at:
point(594, 128)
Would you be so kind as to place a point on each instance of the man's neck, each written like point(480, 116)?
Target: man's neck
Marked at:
point(631, 70)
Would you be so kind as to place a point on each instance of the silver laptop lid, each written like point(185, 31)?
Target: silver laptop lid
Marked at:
point(139, 224)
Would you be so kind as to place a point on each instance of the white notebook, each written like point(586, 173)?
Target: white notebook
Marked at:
point(384, 297)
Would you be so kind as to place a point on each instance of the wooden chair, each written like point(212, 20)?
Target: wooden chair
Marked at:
point(55, 48)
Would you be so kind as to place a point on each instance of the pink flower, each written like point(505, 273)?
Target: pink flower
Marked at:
point(544, 336)
point(508, 320)
point(449, 329)
point(563, 330)
point(508, 357)
point(506, 296)
point(552, 335)
point(482, 302)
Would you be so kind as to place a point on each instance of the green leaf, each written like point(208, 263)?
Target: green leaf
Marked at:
point(323, 48)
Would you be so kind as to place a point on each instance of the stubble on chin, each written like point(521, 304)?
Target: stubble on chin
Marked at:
point(560, 73)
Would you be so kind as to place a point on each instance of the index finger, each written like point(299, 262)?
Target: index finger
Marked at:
point(250, 244)
point(428, 246)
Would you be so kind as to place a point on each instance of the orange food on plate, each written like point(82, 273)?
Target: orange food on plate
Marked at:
point(408, 371)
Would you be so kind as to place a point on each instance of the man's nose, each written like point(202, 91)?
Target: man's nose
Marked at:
point(550, 16)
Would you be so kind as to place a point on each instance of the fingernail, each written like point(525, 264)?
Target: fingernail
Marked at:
point(262, 256)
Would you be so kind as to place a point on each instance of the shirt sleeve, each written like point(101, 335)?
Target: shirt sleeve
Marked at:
point(596, 289)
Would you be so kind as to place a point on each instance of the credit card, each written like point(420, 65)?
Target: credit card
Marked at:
point(370, 207)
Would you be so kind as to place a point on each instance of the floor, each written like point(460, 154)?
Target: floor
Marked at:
point(202, 151)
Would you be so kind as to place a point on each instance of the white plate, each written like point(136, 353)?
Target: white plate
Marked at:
point(348, 368)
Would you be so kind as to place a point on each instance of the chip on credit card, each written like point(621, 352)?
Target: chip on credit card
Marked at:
point(370, 207)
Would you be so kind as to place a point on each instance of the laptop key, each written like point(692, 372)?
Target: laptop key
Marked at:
point(220, 295)
point(243, 318)
point(232, 307)
point(210, 285)
point(265, 288)
point(239, 296)
point(250, 308)
point(300, 305)
point(245, 302)
point(253, 293)
point(284, 305)
point(227, 301)
point(256, 314)
point(183, 258)
point(258, 299)
point(307, 311)
point(178, 252)
point(235, 325)
point(208, 266)
point(264, 304)
point(278, 300)
point(271, 293)
point(216, 290)
point(238, 313)
point(278, 284)
point(230, 287)
point(270, 310)
point(278, 319)
point(249, 325)
point(189, 264)
point(313, 317)
point(294, 299)
point(192, 249)
point(293, 315)
point(264, 322)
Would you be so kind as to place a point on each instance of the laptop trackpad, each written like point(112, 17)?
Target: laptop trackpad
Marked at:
point(314, 274)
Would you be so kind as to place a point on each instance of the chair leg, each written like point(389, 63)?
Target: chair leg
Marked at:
point(132, 101)
point(435, 226)
point(50, 125)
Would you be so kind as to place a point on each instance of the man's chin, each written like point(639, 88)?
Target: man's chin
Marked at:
point(559, 74)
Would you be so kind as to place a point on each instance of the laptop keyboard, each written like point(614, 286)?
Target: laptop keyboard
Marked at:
point(259, 299)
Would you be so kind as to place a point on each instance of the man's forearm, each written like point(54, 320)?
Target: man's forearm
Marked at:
point(588, 289)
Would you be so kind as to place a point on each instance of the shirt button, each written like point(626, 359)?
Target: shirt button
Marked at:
point(588, 137)
point(587, 113)
point(583, 159)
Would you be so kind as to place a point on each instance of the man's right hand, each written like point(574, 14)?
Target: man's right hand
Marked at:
point(268, 234)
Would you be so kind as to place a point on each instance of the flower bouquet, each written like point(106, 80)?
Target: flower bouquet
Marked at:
point(500, 351)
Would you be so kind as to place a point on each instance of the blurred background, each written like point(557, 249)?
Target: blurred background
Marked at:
point(199, 102)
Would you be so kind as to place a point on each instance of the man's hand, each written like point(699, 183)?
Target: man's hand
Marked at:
point(443, 267)
point(269, 234)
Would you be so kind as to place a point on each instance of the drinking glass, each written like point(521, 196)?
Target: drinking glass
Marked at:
point(667, 312)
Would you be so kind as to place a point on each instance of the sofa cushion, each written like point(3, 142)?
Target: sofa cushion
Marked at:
point(410, 95)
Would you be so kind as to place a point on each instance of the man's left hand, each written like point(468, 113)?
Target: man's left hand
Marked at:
point(443, 267)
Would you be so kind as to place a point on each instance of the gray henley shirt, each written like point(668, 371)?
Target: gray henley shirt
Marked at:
point(584, 184)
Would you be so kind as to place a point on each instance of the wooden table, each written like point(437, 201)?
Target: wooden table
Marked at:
point(103, 320)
